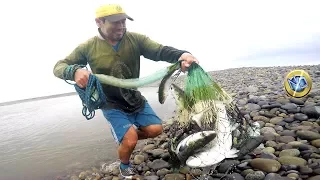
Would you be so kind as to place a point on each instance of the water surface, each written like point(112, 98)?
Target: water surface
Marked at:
point(46, 138)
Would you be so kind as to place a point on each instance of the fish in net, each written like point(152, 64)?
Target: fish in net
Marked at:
point(208, 126)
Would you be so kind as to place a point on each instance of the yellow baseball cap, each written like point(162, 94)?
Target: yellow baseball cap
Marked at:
point(112, 12)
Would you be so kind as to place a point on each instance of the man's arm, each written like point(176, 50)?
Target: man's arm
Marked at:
point(77, 56)
point(157, 52)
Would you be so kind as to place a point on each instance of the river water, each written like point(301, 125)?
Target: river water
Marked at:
point(45, 138)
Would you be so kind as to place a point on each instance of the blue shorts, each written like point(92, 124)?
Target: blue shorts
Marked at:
point(120, 122)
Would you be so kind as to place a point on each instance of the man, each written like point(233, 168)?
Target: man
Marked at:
point(115, 51)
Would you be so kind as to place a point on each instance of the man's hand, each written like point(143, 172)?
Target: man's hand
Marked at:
point(187, 60)
point(81, 77)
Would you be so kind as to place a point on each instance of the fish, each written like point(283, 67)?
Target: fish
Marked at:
point(190, 144)
point(164, 85)
point(221, 147)
point(223, 118)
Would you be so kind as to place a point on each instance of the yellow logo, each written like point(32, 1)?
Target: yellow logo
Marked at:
point(118, 8)
point(298, 83)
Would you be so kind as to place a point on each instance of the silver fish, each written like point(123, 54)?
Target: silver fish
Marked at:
point(223, 119)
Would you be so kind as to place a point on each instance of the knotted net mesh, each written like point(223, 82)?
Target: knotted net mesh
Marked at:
point(236, 136)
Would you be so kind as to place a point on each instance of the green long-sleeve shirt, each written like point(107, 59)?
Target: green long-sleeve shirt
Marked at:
point(122, 61)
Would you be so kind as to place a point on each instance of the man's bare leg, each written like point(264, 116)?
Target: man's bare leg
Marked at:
point(127, 145)
point(131, 138)
point(149, 131)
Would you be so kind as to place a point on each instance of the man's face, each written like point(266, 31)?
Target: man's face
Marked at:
point(113, 30)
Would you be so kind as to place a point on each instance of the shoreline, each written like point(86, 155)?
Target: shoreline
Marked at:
point(290, 127)
point(155, 84)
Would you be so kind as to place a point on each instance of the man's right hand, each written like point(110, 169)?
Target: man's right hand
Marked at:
point(81, 77)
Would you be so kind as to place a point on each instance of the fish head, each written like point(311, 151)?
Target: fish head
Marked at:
point(189, 145)
point(178, 93)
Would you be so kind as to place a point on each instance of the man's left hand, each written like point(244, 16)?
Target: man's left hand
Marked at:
point(187, 59)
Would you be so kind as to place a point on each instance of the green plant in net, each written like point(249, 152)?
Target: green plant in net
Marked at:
point(200, 87)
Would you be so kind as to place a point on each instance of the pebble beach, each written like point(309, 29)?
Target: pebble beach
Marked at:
point(290, 126)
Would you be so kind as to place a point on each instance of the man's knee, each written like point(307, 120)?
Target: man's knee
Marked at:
point(130, 139)
point(153, 130)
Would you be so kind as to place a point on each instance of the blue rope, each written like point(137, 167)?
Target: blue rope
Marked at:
point(92, 96)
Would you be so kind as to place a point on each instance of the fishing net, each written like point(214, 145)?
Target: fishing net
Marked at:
point(201, 87)
point(202, 95)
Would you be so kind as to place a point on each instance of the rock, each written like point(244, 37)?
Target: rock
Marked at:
point(315, 155)
point(308, 135)
point(296, 101)
point(165, 156)
point(293, 175)
point(156, 152)
point(267, 155)
point(278, 128)
point(304, 147)
point(305, 170)
point(175, 176)
point(262, 102)
point(285, 146)
point(311, 111)
point(289, 106)
point(290, 160)
point(269, 115)
point(251, 89)
point(256, 175)
point(273, 176)
point(289, 152)
point(158, 164)
point(269, 150)
point(301, 127)
point(252, 107)
point(266, 165)
point(288, 167)
point(288, 119)
point(163, 172)
point(152, 177)
point(269, 125)
point(307, 123)
point(276, 120)
point(164, 145)
point(271, 106)
point(269, 137)
point(270, 144)
point(291, 133)
point(148, 147)
point(261, 118)
point(286, 139)
point(246, 172)
point(267, 130)
point(316, 171)
point(83, 175)
point(317, 177)
point(295, 143)
point(233, 176)
point(138, 159)
point(300, 117)
point(316, 143)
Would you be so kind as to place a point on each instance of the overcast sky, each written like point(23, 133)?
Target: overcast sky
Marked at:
point(223, 34)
